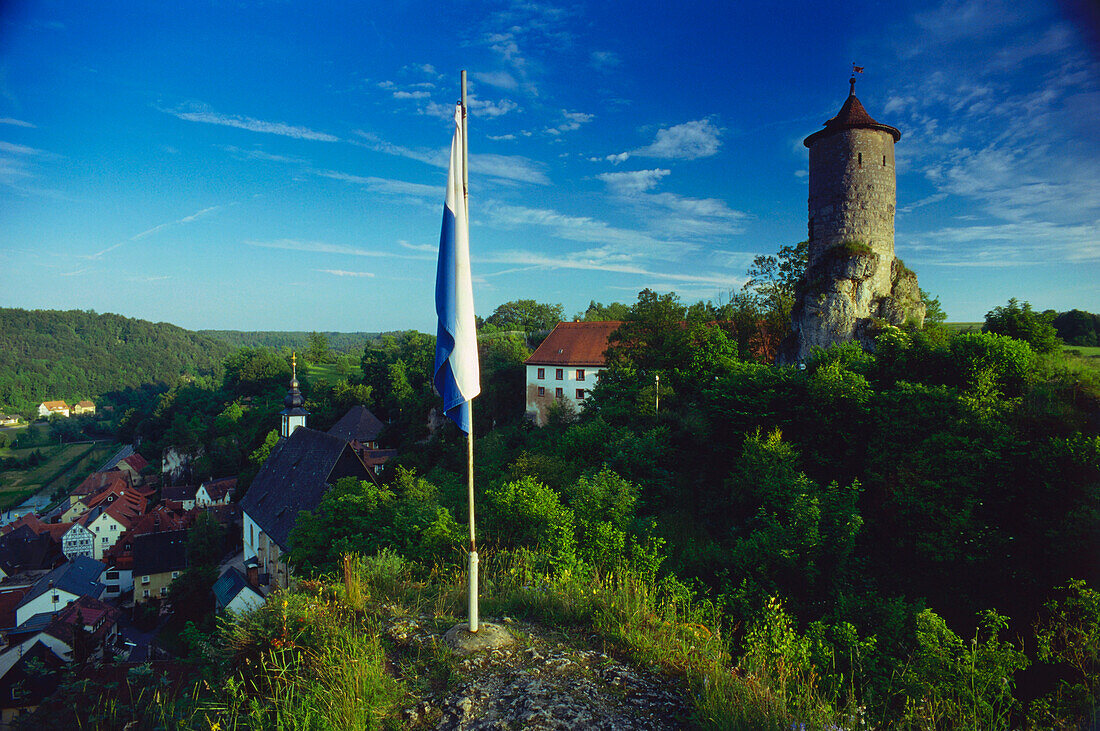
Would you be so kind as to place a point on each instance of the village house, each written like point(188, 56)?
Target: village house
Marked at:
point(8, 420)
point(179, 497)
point(47, 409)
point(81, 631)
point(566, 366)
point(23, 684)
point(360, 428)
point(299, 470)
point(159, 559)
point(215, 492)
point(233, 593)
point(83, 407)
point(66, 583)
point(128, 461)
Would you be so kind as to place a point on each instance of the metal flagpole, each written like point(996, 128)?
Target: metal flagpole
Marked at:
point(472, 603)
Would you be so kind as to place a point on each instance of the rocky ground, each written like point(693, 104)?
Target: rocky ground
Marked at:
point(544, 680)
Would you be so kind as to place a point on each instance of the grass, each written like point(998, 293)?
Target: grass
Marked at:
point(64, 468)
point(964, 327)
point(329, 372)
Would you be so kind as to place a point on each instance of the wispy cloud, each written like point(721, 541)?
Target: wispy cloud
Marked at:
point(385, 186)
point(202, 113)
point(605, 60)
point(321, 247)
point(160, 227)
point(504, 167)
point(594, 260)
point(344, 273)
point(633, 181)
point(687, 141)
point(262, 155)
point(16, 122)
point(570, 121)
point(671, 214)
point(499, 79)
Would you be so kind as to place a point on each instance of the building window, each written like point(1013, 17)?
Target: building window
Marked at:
point(558, 393)
point(145, 579)
point(542, 391)
point(164, 591)
point(112, 576)
point(175, 574)
point(580, 374)
point(145, 593)
point(542, 373)
point(884, 160)
point(54, 598)
point(580, 394)
point(861, 159)
point(559, 374)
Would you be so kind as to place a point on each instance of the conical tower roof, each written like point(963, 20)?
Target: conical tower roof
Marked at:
point(852, 115)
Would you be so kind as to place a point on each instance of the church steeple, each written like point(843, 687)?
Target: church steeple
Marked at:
point(294, 415)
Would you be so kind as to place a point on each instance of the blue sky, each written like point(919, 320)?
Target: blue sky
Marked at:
point(281, 165)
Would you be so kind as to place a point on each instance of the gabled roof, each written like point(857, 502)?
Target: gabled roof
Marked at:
point(80, 576)
point(157, 553)
point(852, 115)
point(218, 489)
point(120, 455)
point(32, 521)
point(24, 550)
point(229, 585)
point(575, 344)
point(96, 482)
point(88, 612)
point(295, 476)
point(85, 404)
point(55, 405)
point(180, 493)
point(358, 424)
point(135, 461)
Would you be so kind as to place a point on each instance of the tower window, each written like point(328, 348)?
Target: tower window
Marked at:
point(861, 159)
point(884, 161)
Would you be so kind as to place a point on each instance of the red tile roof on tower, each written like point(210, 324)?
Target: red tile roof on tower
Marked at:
point(852, 115)
point(575, 344)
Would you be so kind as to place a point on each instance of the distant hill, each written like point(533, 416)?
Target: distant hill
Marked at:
point(340, 342)
point(75, 354)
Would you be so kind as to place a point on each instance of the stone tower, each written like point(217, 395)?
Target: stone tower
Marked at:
point(853, 284)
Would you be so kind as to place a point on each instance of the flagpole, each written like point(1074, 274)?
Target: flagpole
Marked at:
point(473, 582)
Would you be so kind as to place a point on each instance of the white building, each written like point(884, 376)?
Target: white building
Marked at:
point(566, 365)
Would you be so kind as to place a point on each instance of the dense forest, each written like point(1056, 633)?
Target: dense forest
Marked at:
point(292, 340)
point(75, 354)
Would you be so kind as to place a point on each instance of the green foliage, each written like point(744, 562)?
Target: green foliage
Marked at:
point(599, 312)
point(318, 349)
point(772, 280)
point(1077, 327)
point(934, 314)
point(951, 685)
point(50, 354)
point(851, 247)
point(527, 513)
point(525, 316)
point(251, 371)
point(1021, 322)
point(1068, 634)
point(205, 541)
point(287, 340)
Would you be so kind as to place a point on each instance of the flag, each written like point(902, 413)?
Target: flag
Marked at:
point(456, 367)
point(857, 69)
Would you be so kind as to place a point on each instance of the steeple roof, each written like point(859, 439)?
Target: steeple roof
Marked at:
point(852, 115)
point(294, 400)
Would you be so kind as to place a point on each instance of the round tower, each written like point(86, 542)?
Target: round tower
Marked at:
point(853, 189)
point(853, 283)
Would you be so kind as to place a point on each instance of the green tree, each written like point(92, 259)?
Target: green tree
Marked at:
point(205, 541)
point(318, 349)
point(1021, 322)
point(599, 312)
point(526, 316)
point(772, 280)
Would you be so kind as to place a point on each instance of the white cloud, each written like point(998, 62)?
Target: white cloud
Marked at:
point(570, 121)
point(436, 158)
point(321, 247)
point(201, 113)
point(16, 122)
point(411, 95)
point(344, 273)
point(261, 155)
point(500, 138)
point(605, 60)
point(385, 186)
point(18, 149)
point(634, 181)
point(508, 167)
point(687, 141)
point(499, 79)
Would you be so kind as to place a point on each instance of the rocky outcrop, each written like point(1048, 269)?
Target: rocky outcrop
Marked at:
point(545, 680)
point(849, 293)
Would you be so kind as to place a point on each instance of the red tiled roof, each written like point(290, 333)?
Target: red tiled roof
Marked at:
point(136, 462)
point(98, 481)
point(54, 405)
point(575, 344)
point(218, 489)
point(852, 115)
point(86, 404)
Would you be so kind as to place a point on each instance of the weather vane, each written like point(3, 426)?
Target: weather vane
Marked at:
point(852, 81)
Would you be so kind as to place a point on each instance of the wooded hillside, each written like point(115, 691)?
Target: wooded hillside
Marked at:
point(75, 354)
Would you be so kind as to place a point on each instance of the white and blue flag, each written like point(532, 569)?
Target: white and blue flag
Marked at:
point(456, 367)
